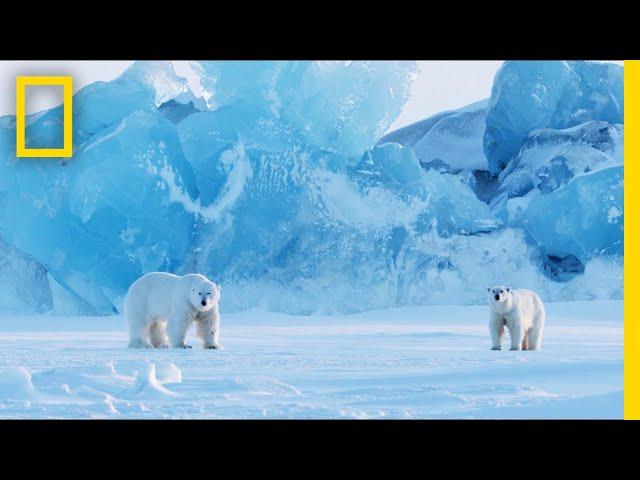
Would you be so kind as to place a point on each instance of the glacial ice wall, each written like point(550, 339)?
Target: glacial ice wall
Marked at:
point(529, 95)
point(275, 179)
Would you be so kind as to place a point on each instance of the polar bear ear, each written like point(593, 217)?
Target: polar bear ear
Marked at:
point(508, 289)
point(488, 289)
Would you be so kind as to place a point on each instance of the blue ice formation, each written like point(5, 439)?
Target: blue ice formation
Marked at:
point(449, 140)
point(99, 220)
point(549, 159)
point(277, 179)
point(530, 95)
point(342, 107)
point(584, 218)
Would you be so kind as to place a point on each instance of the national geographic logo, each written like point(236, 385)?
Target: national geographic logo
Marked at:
point(67, 146)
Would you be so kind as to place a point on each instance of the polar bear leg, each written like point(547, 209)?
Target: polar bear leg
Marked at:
point(138, 324)
point(535, 336)
point(537, 324)
point(209, 329)
point(535, 339)
point(496, 330)
point(179, 322)
point(158, 335)
point(526, 342)
point(138, 336)
point(517, 337)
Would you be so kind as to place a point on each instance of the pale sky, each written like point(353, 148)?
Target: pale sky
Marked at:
point(439, 85)
point(446, 85)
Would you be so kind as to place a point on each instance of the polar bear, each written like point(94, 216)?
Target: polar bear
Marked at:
point(521, 311)
point(160, 307)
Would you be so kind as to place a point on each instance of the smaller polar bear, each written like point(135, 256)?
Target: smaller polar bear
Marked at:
point(160, 307)
point(521, 311)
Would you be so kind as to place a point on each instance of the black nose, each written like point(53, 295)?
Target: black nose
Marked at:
point(497, 297)
point(204, 303)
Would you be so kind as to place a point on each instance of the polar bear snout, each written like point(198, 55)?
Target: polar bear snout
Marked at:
point(204, 296)
point(202, 300)
point(498, 294)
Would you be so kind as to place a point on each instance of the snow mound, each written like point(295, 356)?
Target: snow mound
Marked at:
point(16, 384)
point(168, 373)
point(148, 386)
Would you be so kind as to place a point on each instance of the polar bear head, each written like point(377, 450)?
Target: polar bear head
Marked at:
point(499, 297)
point(204, 295)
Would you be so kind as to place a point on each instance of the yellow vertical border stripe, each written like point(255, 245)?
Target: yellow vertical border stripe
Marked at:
point(20, 114)
point(67, 88)
point(631, 239)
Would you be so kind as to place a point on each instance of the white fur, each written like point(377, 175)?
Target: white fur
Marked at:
point(160, 307)
point(521, 311)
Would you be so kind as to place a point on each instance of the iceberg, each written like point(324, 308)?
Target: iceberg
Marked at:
point(583, 219)
point(530, 95)
point(549, 159)
point(343, 107)
point(277, 180)
point(446, 201)
point(451, 140)
point(160, 180)
point(104, 217)
point(24, 282)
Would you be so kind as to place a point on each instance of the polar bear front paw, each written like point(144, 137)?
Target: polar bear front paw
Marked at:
point(215, 346)
point(496, 348)
point(514, 348)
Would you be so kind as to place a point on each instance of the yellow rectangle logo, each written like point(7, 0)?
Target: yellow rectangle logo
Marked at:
point(67, 147)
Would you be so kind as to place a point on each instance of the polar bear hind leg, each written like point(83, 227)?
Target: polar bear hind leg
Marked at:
point(179, 323)
point(138, 329)
point(535, 335)
point(138, 336)
point(517, 337)
point(537, 325)
point(158, 334)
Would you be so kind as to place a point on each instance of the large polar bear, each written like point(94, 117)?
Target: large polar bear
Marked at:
point(161, 303)
point(521, 311)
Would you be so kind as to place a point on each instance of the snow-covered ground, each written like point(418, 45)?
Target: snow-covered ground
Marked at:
point(419, 362)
